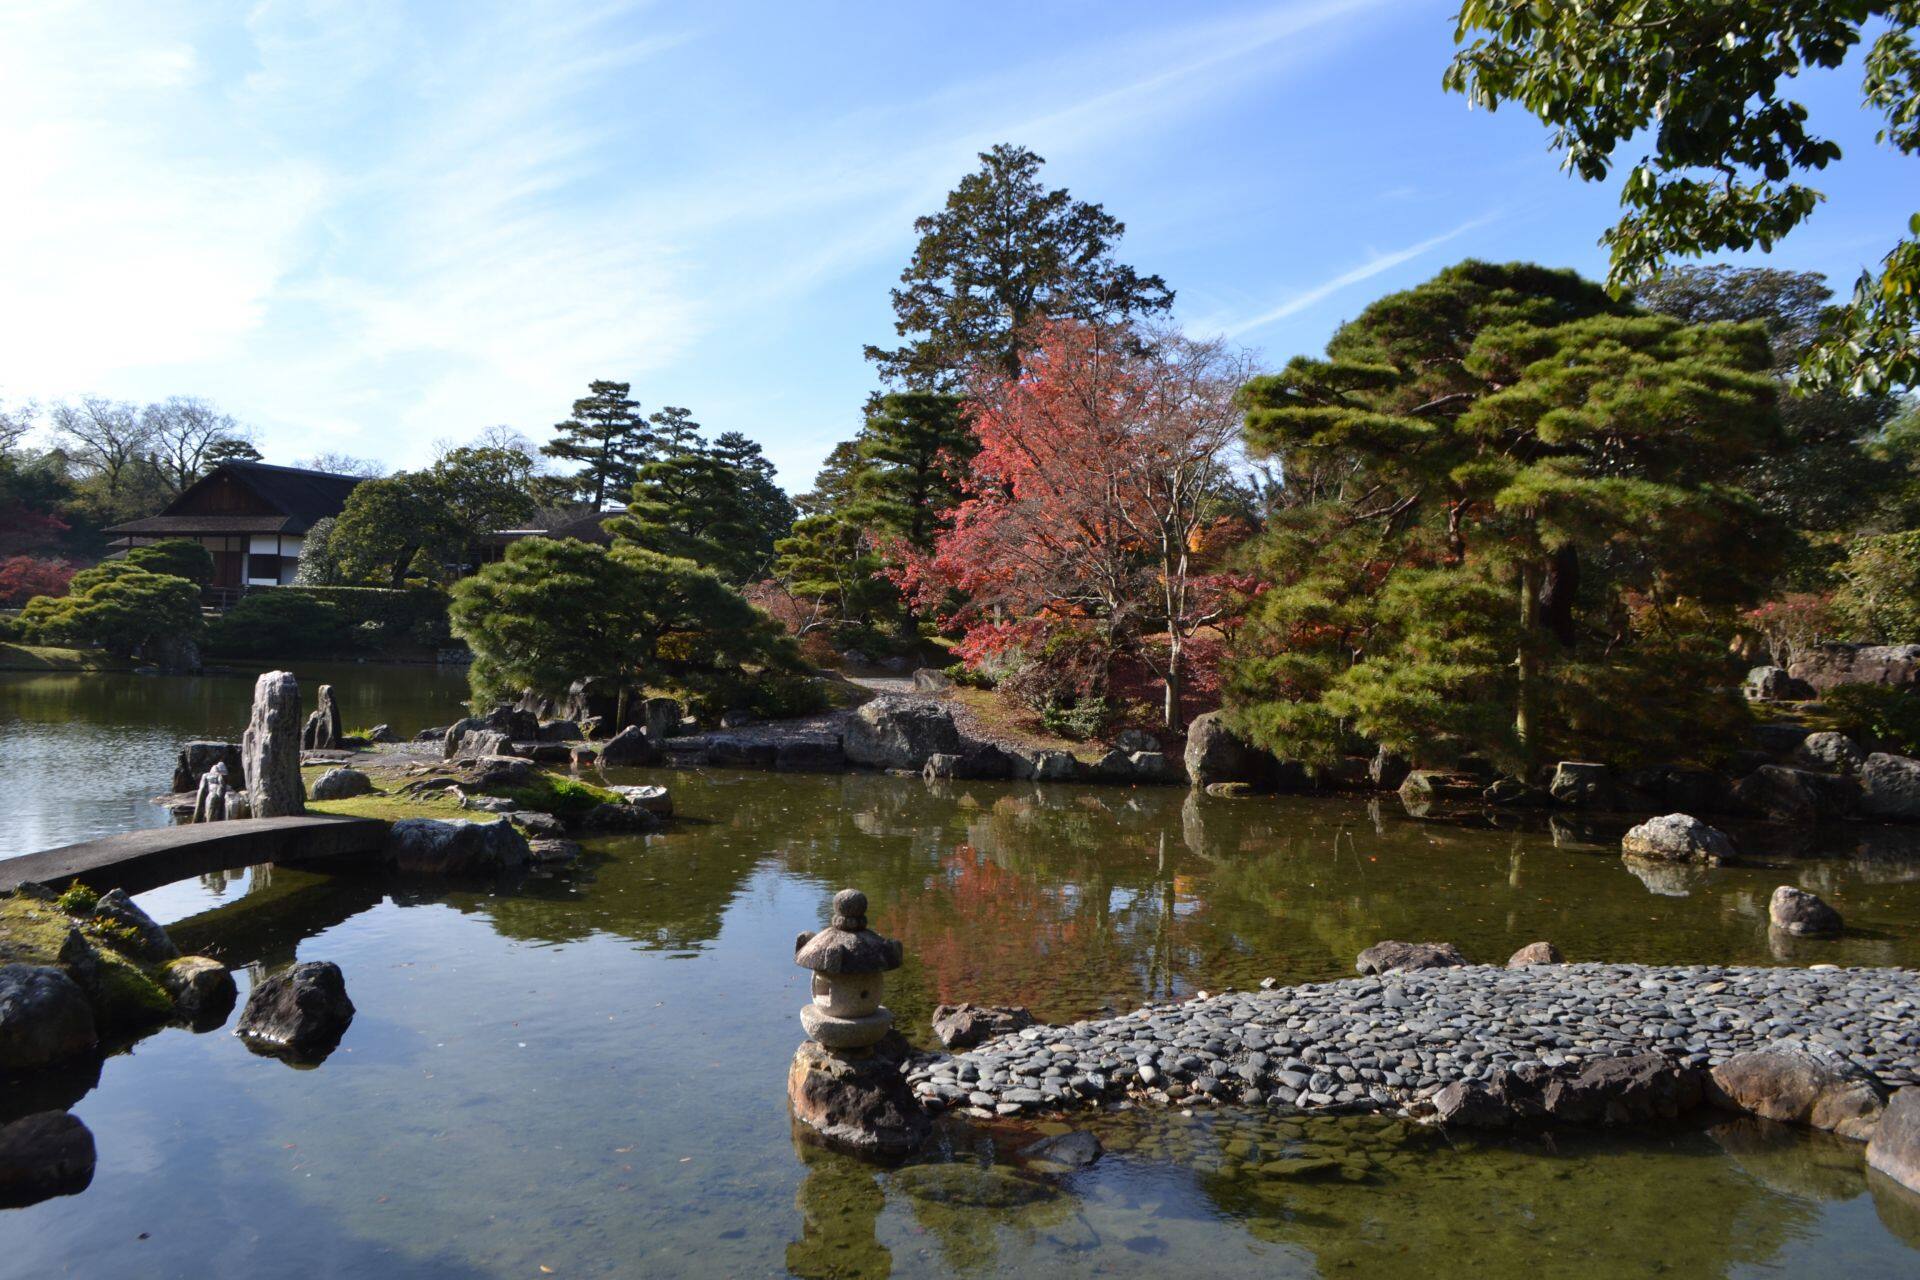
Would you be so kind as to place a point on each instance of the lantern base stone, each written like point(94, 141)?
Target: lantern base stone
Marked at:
point(858, 1102)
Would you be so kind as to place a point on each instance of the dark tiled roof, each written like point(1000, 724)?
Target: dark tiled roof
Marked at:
point(305, 495)
point(206, 524)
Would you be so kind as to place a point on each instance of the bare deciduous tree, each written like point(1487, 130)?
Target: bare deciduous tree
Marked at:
point(110, 437)
point(183, 429)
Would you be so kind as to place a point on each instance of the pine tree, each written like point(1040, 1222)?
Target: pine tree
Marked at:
point(606, 438)
point(1542, 515)
point(913, 456)
point(1003, 252)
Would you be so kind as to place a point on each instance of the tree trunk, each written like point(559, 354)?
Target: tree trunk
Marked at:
point(1524, 727)
point(1171, 712)
point(1555, 612)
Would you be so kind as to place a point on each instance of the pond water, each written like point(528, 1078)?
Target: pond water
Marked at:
point(583, 1075)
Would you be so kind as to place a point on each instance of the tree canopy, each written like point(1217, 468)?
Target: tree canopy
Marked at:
point(1003, 251)
point(1726, 149)
point(606, 438)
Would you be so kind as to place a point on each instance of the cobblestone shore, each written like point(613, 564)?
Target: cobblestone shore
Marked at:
point(1381, 1043)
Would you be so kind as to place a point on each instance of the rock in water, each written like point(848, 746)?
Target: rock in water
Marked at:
point(629, 747)
point(202, 990)
point(1215, 754)
point(1535, 953)
point(324, 729)
point(861, 1103)
point(151, 942)
point(1472, 1104)
point(47, 1154)
point(1677, 837)
point(1895, 1147)
point(1388, 957)
point(1797, 1084)
point(197, 757)
point(299, 1014)
point(270, 749)
point(894, 732)
point(1075, 1150)
point(963, 1026)
point(44, 1018)
point(442, 846)
point(341, 784)
point(1647, 1086)
point(1890, 787)
point(1799, 912)
point(1582, 784)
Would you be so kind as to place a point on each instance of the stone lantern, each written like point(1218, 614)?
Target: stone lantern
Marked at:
point(846, 1083)
point(850, 963)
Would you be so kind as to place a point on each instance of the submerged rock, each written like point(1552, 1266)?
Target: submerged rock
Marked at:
point(1677, 837)
point(1390, 956)
point(43, 1155)
point(1075, 1150)
point(300, 1013)
point(45, 1018)
point(1798, 912)
point(1799, 1084)
point(340, 784)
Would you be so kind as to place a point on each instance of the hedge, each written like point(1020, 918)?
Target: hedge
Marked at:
point(409, 615)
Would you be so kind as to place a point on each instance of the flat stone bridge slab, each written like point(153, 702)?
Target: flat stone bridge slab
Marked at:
point(1381, 1043)
point(140, 860)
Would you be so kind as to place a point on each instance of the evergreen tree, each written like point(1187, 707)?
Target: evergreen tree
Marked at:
point(606, 438)
point(675, 432)
point(1542, 518)
point(833, 485)
point(693, 506)
point(913, 457)
point(1003, 252)
point(769, 511)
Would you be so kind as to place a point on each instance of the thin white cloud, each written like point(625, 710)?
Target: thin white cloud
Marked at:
point(1372, 267)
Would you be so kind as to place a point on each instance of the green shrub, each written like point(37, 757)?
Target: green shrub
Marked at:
point(281, 623)
point(1080, 720)
point(1880, 587)
point(78, 900)
point(962, 674)
point(180, 557)
point(409, 615)
point(1877, 715)
point(118, 607)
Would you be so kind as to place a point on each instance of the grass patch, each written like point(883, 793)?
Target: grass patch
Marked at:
point(35, 657)
point(393, 808)
point(564, 798)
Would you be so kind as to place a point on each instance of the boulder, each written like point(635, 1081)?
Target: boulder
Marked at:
point(1828, 666)
point(324, 730)
point(451, 846)
point(1473, 1104)
point(742, 753)
point(1582, 784)
point(1800, 1084)
point(1390, 957)
point(862, 1104)
point(963, 1026)
point(340, 784)
point(896, 732)
point(1054, 766)
point(382, 734)
point(299, 1013)
point(1535, 953)
point(657, 801)
point(1630, 1090)
point(1796, 795)
point(1075, 1150)
point(465, 744)
point(1215, 754)
point(618, 819)
point(1424, 789)
point(1829, 752)
point(488, 804)
point(49, 1153)
point(1890, 788)
point(928, 680)
point(559, 731)
point(537, 826)
point(629, 747)
point(197, 757)
point(149, 942)
point(550, 852)
point(270, 749)
point(1801, 913)
point(660, 718)
point(984, 760)
point(1775, 684)
point(1894, 1148)
point(1155, 766)
point(1677, 837)
point(202, 990)
point(45, 1018)
point(502, 773)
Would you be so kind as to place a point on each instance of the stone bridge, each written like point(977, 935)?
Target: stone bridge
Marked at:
point(140, 860)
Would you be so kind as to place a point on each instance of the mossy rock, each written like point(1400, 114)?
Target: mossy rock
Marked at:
point(566, 798)
point(124, 994)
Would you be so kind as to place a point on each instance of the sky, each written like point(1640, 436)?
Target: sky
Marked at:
point(363, 227)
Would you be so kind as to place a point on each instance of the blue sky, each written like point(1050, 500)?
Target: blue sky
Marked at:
point(364, 227)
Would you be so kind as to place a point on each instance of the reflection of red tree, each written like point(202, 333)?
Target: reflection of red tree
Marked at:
point(981, 929)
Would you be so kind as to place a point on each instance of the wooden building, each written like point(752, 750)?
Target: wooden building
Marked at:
point(251, 516)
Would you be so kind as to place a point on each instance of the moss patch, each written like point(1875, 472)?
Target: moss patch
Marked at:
point(124, 993)
point(390, 808)
point(564, 798)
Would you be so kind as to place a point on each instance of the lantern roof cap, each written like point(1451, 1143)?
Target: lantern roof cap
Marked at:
point(847, 946)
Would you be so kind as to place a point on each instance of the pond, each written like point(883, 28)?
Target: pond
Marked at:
point(583, 1075)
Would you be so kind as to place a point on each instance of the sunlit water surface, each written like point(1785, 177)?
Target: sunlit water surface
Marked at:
point(584, 1075)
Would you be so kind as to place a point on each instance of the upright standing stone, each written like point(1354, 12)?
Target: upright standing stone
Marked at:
point(324, 729)
point(270, 749)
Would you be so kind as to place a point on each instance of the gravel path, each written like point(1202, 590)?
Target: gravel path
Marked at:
point(1375, 1044)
